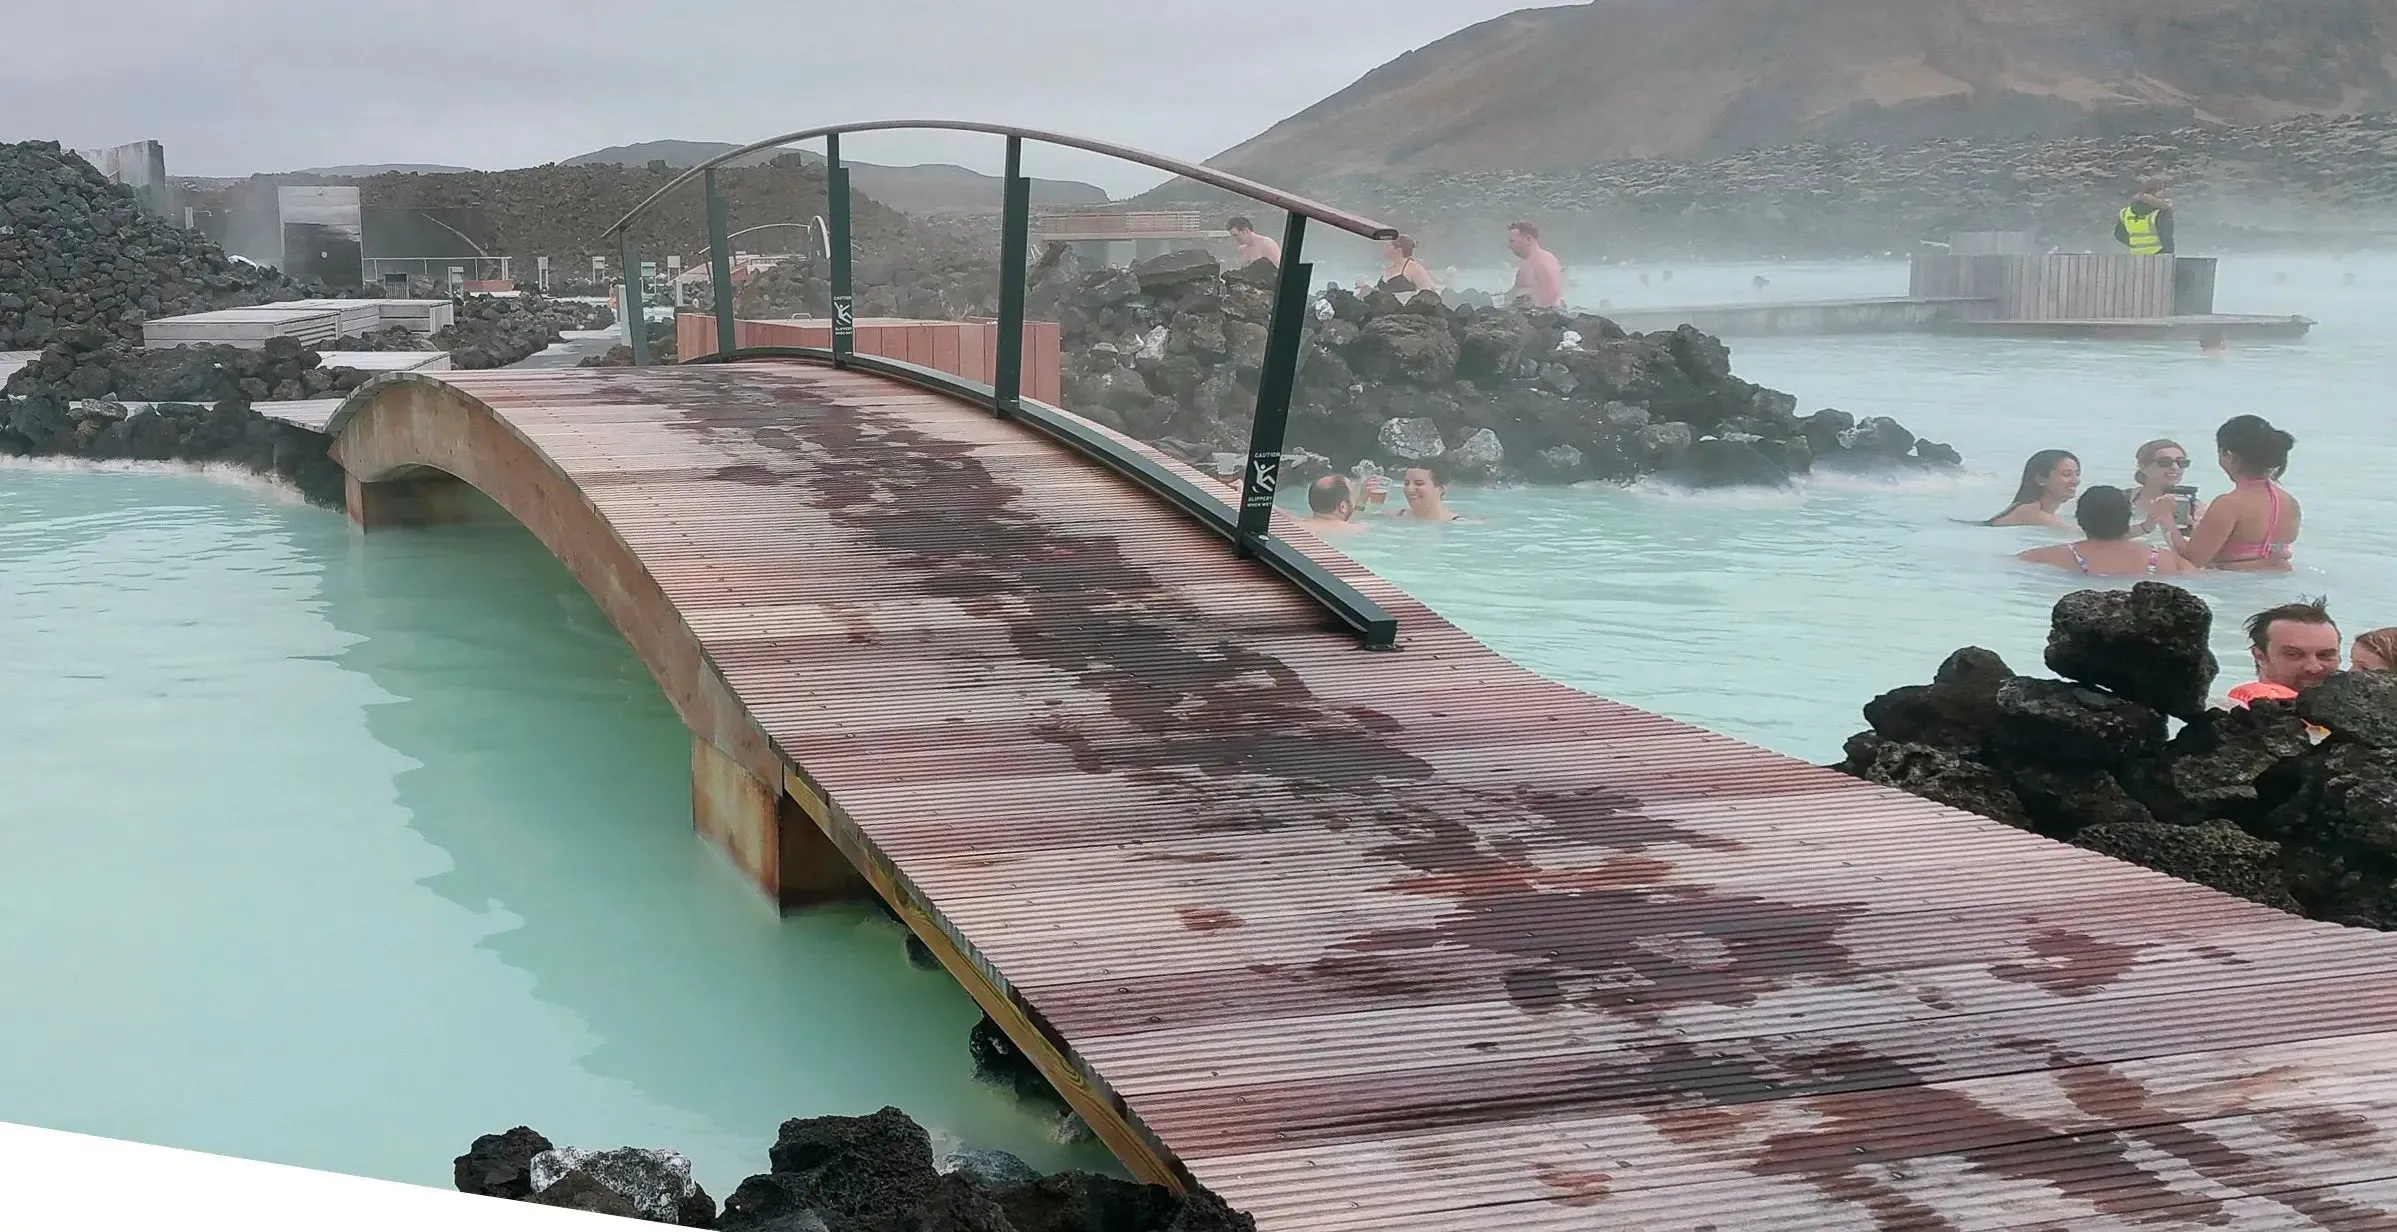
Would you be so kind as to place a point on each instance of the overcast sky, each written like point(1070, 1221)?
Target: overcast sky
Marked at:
point(237, 86)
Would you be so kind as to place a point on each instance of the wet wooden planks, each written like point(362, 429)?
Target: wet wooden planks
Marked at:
point(1421, 940)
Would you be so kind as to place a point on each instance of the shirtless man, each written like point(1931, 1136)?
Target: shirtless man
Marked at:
point(1539, 280)
point(1253, 247)
point(1330, 505)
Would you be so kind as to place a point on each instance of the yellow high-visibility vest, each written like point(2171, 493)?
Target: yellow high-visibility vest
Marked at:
point(2139, 230)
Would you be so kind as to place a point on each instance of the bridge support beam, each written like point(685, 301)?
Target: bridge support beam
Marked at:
point(765, 834)
point(427, 498)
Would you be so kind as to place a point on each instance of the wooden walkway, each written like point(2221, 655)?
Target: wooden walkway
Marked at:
point(1420, 940)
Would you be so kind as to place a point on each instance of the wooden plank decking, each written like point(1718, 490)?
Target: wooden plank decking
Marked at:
point(1420, 940)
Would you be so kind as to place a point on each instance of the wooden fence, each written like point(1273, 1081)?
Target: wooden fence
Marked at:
point(2068, 286)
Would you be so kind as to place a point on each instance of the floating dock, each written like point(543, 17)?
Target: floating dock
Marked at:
point(2066, 295)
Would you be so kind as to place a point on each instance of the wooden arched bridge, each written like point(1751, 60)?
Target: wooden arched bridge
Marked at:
point(1410, 939)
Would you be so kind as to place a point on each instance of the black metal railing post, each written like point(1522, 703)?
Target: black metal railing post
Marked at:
point(1015, 242)
point(632, 306)
point(836, 202)
point(1274, 383)
point(719, 262)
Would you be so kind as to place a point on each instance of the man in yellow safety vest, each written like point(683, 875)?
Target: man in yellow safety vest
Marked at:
point(2145, 225)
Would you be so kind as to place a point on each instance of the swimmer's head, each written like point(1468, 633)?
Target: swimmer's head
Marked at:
point(1331, 497)
point(2252, 448)
point(2374, 652)
point(2050, 477)
point(2295, 645)
point(1424, 484)
point(2162, 461)
point(1401, 248)
point(2104, 513)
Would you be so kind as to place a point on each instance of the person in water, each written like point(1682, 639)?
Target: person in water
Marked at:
point(1253, 247)
point(2374, 652)
point(1401, 272)
point(2252, 526)
point(2109, 551)
point(1426, 489)
point(1330, 505)
point(2048, 480)
point(1539, 280)
point(2163, 465)
point(2295, 647)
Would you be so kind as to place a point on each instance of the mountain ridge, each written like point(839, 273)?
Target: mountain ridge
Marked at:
point(922, 188)
point(1578, 85)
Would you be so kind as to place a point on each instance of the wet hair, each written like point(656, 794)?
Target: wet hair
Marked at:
point(2304, 612)
point(1240, 222)
point(1526, 230)
point(1404, 244)
point(1433, 467)
point(1327, 493)
point(2035, 474)
point(2260, 447)
point(2104, 513)
point(2381, 642)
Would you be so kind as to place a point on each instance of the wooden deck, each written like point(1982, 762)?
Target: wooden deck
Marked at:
point(1420, 940)
point(2230, 326)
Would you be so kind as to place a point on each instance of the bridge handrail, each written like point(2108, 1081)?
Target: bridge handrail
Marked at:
point(1254, 191)
point(1249, 525)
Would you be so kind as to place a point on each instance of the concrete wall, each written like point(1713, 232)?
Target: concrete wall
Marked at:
point(140, 166)
point(323, 233)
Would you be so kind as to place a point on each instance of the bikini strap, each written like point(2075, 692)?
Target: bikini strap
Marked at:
point(2151, 560)
point(2075, 549)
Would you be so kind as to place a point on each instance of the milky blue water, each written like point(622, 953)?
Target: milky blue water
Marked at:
point(1772, 617)
point(339, 850)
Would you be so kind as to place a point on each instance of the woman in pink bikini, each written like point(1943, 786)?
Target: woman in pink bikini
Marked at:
point(2253, 526)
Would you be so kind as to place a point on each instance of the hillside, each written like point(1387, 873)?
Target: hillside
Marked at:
point(1568, 87)
point(928, 188)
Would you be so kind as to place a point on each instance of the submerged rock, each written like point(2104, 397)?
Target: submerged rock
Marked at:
point(992, 1169)
point(1721, 463)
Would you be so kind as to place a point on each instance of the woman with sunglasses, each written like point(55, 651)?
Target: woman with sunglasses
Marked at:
point(2163, 465)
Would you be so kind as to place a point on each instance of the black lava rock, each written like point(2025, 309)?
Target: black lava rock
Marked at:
point(80, 253)
point(2216, 854)
point(500, 1165)
point(848, 1167)
point(1948, 777)
point(2147, 644)
point(2054, 723)
point(1957, 710)
point(998, 1060)
point(1088, 1202)
point(2356, 706)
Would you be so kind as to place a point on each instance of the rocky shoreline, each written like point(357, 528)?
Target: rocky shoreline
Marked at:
point(79, 250)
point(2231, 187)
point(1170, 350)
point(872, 1173)
point(2242, 800)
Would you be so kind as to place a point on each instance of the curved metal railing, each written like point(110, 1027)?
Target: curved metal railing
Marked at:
point(1248, 526)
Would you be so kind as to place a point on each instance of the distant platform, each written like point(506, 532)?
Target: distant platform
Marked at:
point(1878, 315)
point(2157, 329)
